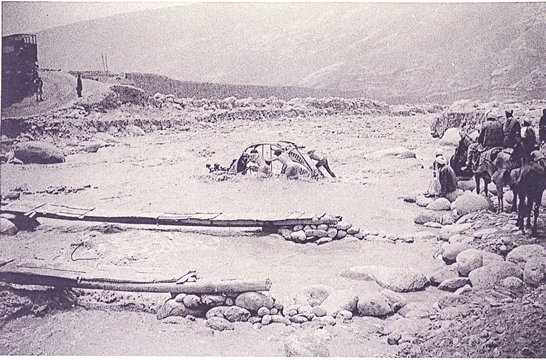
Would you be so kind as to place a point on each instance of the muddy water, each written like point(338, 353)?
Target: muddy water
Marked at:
point(165, 171)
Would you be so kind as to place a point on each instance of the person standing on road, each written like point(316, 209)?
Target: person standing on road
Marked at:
point(38, 85)
point(79, 86)
point(321, 162)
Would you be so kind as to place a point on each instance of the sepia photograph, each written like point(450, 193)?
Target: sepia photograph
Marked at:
point(273, 179)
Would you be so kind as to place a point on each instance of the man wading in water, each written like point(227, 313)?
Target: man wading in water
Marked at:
point(293, 169)
point(321, 162)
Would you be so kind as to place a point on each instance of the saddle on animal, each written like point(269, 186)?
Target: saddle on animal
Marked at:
point(485, 158)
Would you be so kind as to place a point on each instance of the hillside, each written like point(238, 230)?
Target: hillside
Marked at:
point(390, 51)
point(153, 84)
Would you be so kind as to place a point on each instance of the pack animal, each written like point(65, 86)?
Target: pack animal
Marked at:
point(458, 159)
point(494, 165)
point(531, 184)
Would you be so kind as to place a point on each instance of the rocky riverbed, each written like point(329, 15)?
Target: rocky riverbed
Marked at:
point(162, 168)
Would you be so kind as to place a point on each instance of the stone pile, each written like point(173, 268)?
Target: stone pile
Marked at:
point(442, 211)
point(320, 305)
point(469, 267)
point(323, 230)
point(327, 229)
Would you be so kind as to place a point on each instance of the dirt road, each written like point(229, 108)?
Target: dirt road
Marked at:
point(59, 91)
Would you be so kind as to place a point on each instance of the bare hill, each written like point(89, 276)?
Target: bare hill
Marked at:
point(390, 51)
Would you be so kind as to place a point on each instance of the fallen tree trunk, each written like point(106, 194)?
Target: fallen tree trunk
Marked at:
point(26, 277)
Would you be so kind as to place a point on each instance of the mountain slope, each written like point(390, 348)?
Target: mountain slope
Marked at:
point(404, 51)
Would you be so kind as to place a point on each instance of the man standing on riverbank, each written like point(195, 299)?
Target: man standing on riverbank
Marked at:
point(448, 179)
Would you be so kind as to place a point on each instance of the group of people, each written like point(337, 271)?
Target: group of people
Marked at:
point(39, 87)
point(291, 168)
point(492, 135)
point(495, 135)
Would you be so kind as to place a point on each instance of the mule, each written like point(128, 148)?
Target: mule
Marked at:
point(458, 159)
point(495, 165)
point(531, 184)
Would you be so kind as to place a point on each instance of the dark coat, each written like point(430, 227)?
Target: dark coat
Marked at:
point(512, 132)
point(491, 135)
point(448, 179)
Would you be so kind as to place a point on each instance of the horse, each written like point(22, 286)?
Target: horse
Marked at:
point(516, 159)
point(531, 184)
point(458, 159)
point(495, 165)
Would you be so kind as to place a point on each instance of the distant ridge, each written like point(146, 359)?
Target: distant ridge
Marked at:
point(395, 52)
point(153, 84)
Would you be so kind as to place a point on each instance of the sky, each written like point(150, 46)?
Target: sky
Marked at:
point(33, 16)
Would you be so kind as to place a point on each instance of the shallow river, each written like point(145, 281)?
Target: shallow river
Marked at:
point(165, 172)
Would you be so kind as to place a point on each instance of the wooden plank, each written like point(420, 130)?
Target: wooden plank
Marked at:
point(77, 208)
point(55, 211)
point(237, 223)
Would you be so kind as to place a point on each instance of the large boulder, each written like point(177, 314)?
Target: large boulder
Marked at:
point(454, 195)
point(305, 346)
point(467, 185)
point(523, 253)
point(534, 272)
point(339, 300)
point(453, 284)
point(7, 227)
point(451, 137)
point(494, 273)
point(420, 236)
point(107, 138)
point(469, 260)
point(489, 257)
point(449, 230)
point(230, 313)
point(395, 300)
point(423, 201)
point(314, 294)
point(171, 308)
point(396, 279)
point(374, 304)
point(134, 130)
point(219, 324)
point(450, 251)
point(252, 301)
point(428, 216)
point(37, 152)
point(445, 273)
point(439, 204)
point(417, 310)
point(470, 202)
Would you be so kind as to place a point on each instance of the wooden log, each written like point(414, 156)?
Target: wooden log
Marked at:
point(198, 287)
